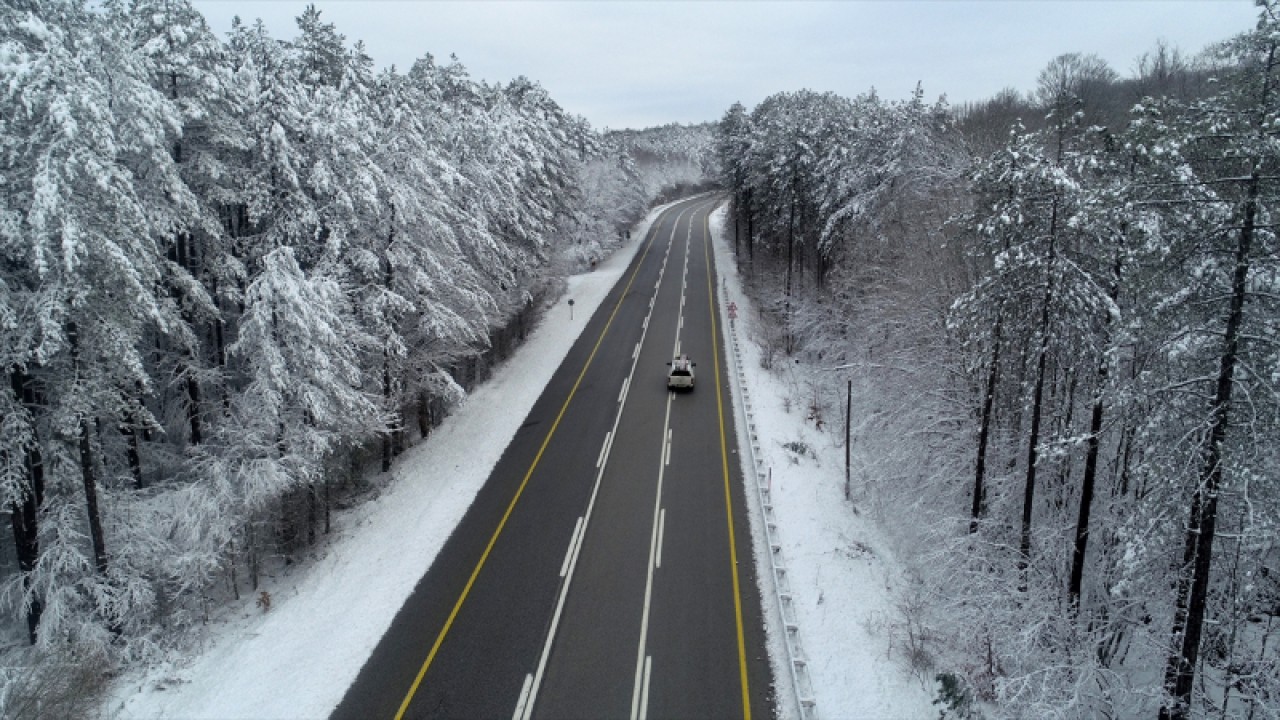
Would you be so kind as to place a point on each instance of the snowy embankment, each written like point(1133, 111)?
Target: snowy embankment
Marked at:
point(842, 575)
point(326, 615)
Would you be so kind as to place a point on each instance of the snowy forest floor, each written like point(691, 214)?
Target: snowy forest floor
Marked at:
point(327, 613)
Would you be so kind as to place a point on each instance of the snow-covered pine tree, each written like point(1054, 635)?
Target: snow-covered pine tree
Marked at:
point(413, 286)
point(1232, 146)
point(186, 63)
point(732, 147)
point(303, 400)
point(87, 159)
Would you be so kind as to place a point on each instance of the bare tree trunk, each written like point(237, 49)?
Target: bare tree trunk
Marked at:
point(386, 399)
point(1086, 491)
point(180, 254)
point(979, 508)
point(312, 518)
point(328, 505)
point(231, 569)
point(388, 279)
point(791, 243)
point(24, 516)
point(1033, 451)
point(424, 413)
point(1120, 483)
point(193, 405)
point(91, 499)
point(286, 529)
point(27, 544)
point(251, 554)
point(220, 345)
point(1071, 380)
point(1197, 557)
point(87, 472)
point(128, 429)
point(1037, 405)
point(848, 421)
point(1093, 445)
point(737, 213)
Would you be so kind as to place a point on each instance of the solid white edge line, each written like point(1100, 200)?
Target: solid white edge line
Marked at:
point(604, 449)
point(522, 705)
point(644, 699)
point(662, 530)
point(574, 541)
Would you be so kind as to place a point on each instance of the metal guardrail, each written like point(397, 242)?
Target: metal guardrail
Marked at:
point(796, 659)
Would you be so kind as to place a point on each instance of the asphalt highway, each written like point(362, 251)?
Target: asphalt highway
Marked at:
point(605, 568)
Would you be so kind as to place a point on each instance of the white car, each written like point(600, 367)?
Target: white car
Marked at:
point(681, 375)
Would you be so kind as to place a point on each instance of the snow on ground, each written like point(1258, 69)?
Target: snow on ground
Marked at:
point(841, 573)
point(297, 660)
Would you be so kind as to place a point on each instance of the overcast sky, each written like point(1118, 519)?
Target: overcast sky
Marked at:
point(639, 64)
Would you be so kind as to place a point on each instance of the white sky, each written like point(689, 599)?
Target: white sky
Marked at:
point(639, 64)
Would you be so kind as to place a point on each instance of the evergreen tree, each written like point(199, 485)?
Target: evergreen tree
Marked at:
point(1233, 148)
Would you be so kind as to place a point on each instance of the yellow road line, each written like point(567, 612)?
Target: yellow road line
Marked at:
point(724, 464)
point(466, 590)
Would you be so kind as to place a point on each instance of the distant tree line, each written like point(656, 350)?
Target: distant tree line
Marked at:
point(1063, 312)
point(235, 274)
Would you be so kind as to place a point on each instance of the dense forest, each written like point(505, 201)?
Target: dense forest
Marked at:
point(240, 275)
point(1061, 312)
